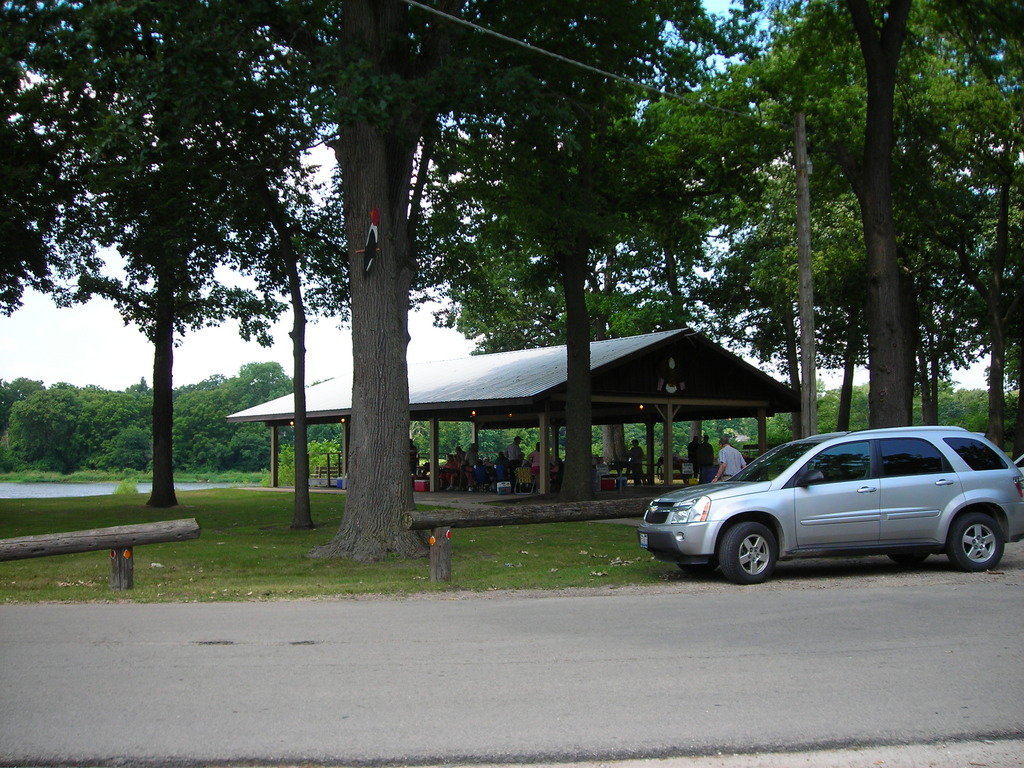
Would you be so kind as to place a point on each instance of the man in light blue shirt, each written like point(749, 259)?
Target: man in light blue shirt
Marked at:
point(730, 461)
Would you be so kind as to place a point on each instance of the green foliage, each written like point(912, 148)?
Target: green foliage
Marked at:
point(65, 429)
point(126, 488)
point(318, 451)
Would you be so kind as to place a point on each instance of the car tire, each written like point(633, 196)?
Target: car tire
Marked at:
point(909, 558)
point(747, 553)
point(974, 542)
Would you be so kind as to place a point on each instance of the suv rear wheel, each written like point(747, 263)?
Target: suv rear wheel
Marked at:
point(975, 542)
point(747, 553)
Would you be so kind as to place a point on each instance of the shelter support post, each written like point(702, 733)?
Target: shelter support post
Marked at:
point(762, 430)
point(275, 444)
point(650, 452)
point(434, 463)
point(668, 413)
point(346, 436)
point(545, 451)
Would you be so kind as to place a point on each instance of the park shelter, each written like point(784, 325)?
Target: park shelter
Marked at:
point(677, 375)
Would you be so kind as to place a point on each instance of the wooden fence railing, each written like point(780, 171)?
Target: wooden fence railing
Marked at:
point(120, 540)
point(441, 521)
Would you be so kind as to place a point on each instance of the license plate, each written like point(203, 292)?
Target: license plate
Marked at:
point(643, 540)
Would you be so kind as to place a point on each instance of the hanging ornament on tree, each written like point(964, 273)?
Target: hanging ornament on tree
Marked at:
point(370, 251)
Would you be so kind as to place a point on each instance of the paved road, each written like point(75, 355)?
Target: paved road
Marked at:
point(505, 678)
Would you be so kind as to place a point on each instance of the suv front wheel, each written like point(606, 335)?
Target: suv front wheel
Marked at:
point(975, 542)
point(747, 553)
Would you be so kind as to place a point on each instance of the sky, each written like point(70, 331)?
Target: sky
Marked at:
point(90, 344)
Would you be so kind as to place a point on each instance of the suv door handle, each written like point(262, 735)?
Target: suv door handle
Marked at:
point(944, 481)
point(867, 489)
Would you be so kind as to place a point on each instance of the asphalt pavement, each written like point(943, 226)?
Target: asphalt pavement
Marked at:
point(498, 678)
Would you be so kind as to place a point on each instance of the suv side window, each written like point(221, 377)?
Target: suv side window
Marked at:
point(977, 455)
point(910, 456)
point(849, 461)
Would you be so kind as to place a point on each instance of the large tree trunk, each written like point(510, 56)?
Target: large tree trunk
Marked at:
point(376, 162)
point(576, 479)
point(889, 361)
point(162, 494)
point(613, 442)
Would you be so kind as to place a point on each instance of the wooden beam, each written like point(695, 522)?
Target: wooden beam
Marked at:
point(117, 537)
point(525, 514)
point(662, 400)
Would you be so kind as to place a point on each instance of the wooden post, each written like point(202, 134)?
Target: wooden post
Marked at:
point(345, 439)
point(122, 568)
point(434, 462)
point(650, 452)
point(441, 554)
point(808, 376)
point(545, 437)
point(667, 444)
point(274, 468)
point(762, 430)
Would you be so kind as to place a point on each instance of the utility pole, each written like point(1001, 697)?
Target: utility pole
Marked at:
point(808, 373)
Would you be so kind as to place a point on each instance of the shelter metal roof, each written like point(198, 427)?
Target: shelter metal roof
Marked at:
point(523, 376)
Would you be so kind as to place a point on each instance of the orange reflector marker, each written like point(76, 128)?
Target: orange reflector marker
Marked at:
point(127, 554)
point(433, 541)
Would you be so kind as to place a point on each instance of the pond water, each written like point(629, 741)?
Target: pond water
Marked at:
point(69, 490)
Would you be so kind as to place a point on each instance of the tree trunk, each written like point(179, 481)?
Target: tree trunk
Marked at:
point(302, 516)
point(846, 391)
point(793, 363)
point(1018, 434)
point(576, 479)
point(162, 494)
point(996, 376)
point(613, 442)
point(376, 163)
point(928, 379)
point(888, 339)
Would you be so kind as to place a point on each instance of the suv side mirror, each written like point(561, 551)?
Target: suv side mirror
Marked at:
point(809, 477)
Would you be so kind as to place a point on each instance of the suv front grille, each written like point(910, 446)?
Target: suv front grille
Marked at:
point(658, 512)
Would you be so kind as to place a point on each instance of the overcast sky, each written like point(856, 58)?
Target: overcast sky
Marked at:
point(90, 344)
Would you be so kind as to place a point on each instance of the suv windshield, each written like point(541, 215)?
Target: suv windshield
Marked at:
point(770, 465)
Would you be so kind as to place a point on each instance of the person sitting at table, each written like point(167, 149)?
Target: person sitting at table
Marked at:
point(481, 477)
point(501, 467)
point(451, 472)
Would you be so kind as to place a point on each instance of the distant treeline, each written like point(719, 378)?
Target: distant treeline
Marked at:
point(63, 428)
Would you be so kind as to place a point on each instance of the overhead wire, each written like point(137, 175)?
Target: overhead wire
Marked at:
point(581, 65)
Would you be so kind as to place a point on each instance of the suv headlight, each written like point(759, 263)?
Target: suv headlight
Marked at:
point(690, 511)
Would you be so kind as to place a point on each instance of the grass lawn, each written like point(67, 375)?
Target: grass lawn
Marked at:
point(247, 552)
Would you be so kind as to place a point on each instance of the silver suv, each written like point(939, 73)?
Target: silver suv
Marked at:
point(904, 492)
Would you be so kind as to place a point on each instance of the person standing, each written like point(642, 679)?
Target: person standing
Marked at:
point(706, 457)
point(514, 453)
point(693, 455)
point(730, 461)
point(635, 458)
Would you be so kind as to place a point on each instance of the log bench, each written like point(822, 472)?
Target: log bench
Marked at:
point(440, 522)
point(120, 540)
